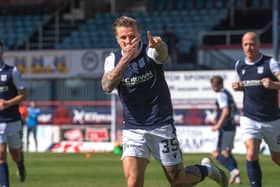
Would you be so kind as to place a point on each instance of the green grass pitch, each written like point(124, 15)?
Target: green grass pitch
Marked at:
point(104, 170)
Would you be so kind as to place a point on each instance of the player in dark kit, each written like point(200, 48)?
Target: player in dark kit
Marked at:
point(12, 92)
point(226, 127)
point(136, 71)
point(259, 77)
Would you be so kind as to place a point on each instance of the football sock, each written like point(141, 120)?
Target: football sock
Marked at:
point(203, 170)
point(226, 162)
point(194, 169)
point(4, 175)
point(233, 161)
point(21, 162)
point(254, 173)
point(231, 165)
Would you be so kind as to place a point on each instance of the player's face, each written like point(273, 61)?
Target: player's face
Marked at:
point(250, 47)
point(125, 35)
point(216, 86)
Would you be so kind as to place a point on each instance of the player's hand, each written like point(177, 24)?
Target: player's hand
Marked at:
point(154, 41)
point(160, 47)
point(237, 85)
point(215, 128)
point(2, 104)
point(130, 51)
point(267, 83)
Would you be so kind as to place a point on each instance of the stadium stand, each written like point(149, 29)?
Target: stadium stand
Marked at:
point(15, 30)
point(187, 22)
point(96, 33)
point(187, 18)
point(56, 36)
point(93, 30)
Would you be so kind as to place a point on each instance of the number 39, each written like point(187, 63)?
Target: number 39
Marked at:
point(168, 145)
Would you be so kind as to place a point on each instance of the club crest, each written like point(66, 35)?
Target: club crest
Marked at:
point(3, 78)
point(260, 70)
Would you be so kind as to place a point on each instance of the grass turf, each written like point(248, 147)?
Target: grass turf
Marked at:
point(104, 170)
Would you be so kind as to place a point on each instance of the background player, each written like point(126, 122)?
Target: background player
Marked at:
point(12, 92)
point(259, 77)
point(31, 123)
point(225, 124)
point(136, 71)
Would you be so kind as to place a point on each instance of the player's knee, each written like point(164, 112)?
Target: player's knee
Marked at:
point(131, 184)
point(251, 155)
point(134, 181)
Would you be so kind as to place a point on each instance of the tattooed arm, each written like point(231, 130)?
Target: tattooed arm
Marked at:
point(111, 79)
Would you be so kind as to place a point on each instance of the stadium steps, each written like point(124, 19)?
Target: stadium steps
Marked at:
point(15, 30)
point(51, 33)
point(185, 23)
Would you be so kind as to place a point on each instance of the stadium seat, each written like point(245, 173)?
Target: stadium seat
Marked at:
point(16, 29)
point(186, 22)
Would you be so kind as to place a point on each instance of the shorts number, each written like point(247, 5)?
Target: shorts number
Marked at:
point(169, 145)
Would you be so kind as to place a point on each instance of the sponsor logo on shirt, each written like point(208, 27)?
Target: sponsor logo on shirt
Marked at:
point(4, 88)
point(131, 81)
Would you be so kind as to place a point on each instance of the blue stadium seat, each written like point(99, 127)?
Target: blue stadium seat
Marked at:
point(187, 23)
point(16, 29)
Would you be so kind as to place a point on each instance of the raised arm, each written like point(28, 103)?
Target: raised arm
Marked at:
point(112, 78)
point(160, 53)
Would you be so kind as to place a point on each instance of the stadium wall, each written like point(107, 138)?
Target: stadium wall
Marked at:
point(48, 64)
point(88, 125)
point(73, 139)
point(232, 52)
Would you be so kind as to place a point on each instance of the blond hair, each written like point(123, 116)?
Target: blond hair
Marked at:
point(125, 21)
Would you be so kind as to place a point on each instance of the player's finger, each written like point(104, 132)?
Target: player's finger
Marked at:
point(150, 38)
point(157, 39)
point(135, 40)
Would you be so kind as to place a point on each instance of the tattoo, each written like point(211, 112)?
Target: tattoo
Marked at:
point(111, 80)
point(193, 170)
point(110, 83)
point(175, 171)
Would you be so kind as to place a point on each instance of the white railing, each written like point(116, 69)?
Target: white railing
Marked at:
point(229, 33)
point(39, 44)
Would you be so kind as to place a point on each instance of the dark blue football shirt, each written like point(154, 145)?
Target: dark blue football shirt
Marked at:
point(143, 91)
point(259, 103)
point(10, 83)
point(225, 99)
